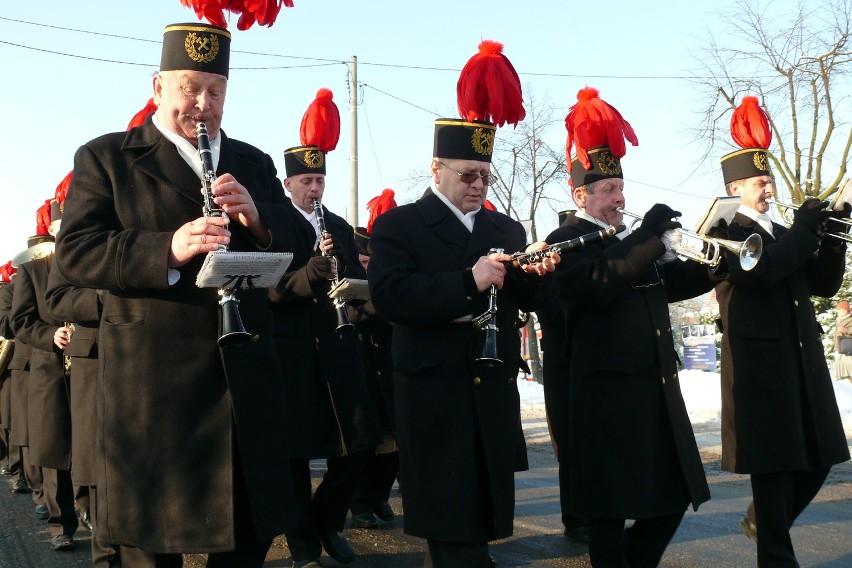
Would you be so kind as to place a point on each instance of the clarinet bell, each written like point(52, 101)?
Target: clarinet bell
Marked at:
point(234, 334)
point(489, 358)
point(343, 323)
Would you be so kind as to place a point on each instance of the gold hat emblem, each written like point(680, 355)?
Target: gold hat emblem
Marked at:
point(759, 159)
point(314, 158)
point(608, 163)
point(483, 141)
point(201, 48)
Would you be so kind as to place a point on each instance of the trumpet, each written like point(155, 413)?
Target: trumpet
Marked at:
point(233, 333)
point(343, 322)
point(841, 235)
point(748, 251)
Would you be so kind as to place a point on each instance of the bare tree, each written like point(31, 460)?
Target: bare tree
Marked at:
point(798, 65)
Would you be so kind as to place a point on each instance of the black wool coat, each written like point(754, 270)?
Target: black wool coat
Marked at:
point(48, 403)
point(6, 375)
point(779, 412)
point(457, 423)
point(19, 371)
point(631, 450)
point(82, 307)
point(329, 407)
point(174, 408)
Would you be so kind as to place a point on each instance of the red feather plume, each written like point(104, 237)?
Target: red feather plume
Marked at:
point(43, 218)
point(488, 205)
point(6, 272)
point(489, 88)
point(378, 205)
point(62, 188)
point(264, 12)
point(750, 125)
point(139, 118)
point(592, 122)
point(321, 123)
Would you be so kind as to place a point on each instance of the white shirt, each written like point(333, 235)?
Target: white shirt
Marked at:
point(467, 219)
point(762, 219)
point(311, 218)
point(187, 151)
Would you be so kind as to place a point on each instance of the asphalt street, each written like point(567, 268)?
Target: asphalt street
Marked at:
point(710, 537)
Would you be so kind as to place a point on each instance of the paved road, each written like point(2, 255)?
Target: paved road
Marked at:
point(708, 538)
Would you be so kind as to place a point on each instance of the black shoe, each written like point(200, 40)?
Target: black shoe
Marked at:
point(62, 542)
point(364, 521)
point(41, 512)
point(85, 519)
point(21, 486)
point(312, 563)
point(384, 511)
point(336, 545)
point(749, 528)
point(579, 533)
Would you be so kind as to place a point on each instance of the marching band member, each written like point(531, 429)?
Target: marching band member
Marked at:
point(780, 424)
point(457, 423)
point(631, 453)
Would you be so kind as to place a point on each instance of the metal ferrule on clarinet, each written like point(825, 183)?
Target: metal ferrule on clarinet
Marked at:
point(343, 322)
point(523, 258)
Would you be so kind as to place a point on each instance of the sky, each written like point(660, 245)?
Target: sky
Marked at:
point(72, 74)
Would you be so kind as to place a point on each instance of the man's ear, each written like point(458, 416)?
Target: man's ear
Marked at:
point(579, 196)
point(435, 169)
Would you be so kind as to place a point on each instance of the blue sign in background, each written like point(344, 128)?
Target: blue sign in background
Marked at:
point(700, 357)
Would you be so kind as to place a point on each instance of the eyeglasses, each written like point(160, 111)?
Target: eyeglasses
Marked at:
point(470, 177)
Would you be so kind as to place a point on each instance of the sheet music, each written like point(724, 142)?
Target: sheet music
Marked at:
point(226, 268)
point(350, 289)
point(721, 208)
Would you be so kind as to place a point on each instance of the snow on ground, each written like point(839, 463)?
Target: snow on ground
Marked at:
point(701, 393)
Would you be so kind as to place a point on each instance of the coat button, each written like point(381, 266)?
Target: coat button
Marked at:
point(511, 380)
point(468, 298)
point(800, 344)
point(664, 380)
point(477, 380)
point(315, 300)
point(796, 303)
point(674, 376)
point(376, 345)
point(378, 373)
point(658, 333)
point(255, 338)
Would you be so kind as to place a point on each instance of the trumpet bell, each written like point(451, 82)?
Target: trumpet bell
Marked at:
point(749, 250)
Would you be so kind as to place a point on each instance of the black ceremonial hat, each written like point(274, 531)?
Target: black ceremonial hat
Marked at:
point(196, 47)
point(603, 164)
point(362, 241)
point(745, 163)
point(304, 160)
point(464, 140)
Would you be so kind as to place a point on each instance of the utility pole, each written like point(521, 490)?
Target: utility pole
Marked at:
point(353, 142)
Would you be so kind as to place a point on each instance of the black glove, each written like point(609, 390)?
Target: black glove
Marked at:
point(844, 213)
point(319, 269)
point(659, 219)
point(811, 214)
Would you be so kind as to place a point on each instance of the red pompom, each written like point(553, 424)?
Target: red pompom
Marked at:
point(6, 272)
point(264, 12)
point(489, 88)
point(750, 125)
point(139, 118)
point(62, 188)
point(43, 218)
point(378, 205)
point(592, 122)
point(321, 123)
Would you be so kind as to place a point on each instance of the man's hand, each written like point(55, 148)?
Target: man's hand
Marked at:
point(200, 236)
point(490, 270)
point(542, 267)
point(62, 336)
point(660, 218)
point(811, 215)
point(320, 268)
point(236, 201)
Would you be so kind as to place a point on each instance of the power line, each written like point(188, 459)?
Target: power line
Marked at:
point(400, 100)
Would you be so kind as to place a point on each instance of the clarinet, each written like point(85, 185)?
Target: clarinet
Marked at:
point(233, 333)
point(522, 258)
point(343, 322)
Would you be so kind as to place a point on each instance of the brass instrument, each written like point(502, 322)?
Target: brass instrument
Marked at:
point(841, 234)
point(233, 333)
point(343, 322)
point(748, 251)
point(66, 359)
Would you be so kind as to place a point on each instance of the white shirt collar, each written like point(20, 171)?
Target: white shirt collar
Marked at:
point(583, 215)
point(761, 219)
point(467, 219)
point(187, 151)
